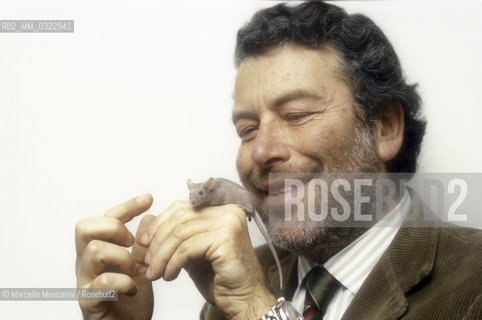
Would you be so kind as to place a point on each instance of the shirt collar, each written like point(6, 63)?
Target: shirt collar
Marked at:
point(352, 265)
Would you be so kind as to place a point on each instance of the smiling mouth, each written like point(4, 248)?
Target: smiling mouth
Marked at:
point(276, 191)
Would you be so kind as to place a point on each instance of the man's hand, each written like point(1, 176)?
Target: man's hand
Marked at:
point(104, 262)
point(213, 246)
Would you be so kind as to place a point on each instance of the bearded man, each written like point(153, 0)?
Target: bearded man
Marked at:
point(318, 91)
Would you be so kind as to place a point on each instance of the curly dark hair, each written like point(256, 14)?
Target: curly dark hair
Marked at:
point(369, 62)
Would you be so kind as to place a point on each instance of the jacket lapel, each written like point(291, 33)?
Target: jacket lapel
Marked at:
point(408, 259)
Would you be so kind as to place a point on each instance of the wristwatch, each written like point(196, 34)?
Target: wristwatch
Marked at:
point(283, 310)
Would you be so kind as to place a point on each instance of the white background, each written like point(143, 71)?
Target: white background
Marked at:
point(139, 98)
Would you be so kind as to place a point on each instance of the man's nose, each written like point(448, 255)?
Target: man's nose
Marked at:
point(269, 148)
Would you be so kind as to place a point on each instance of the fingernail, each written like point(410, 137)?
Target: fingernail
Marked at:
point(145, 239)
point(148, 258)
point(130, 238)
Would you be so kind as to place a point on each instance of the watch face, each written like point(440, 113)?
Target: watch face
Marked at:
point(290, 311)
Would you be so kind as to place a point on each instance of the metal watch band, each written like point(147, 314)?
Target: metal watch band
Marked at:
point(283, 310)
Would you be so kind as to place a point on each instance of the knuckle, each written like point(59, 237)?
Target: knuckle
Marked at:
point(179, 214)
point(117, 226)
point(232, 218)
point(94, 247)
point(182, 249)
point(105, 280)
point(179, 232)
point(234, 222)
point(81, 226)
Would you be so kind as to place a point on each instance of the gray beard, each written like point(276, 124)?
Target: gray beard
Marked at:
point(318, 241)
point(318, 249)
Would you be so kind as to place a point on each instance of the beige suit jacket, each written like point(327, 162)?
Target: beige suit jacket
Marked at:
point(426, 273)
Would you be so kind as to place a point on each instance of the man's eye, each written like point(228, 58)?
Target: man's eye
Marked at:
point(297, 116)
point(246, 132)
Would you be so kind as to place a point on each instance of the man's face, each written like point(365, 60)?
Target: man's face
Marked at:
point(295, 114)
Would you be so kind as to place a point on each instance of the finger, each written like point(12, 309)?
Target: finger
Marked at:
point(159, 256)
point(131, 208)
point(100, 256)
point(123, 283)
point(139, 250)
point(102, 228)
point(226, 242)
point(177, 217)
point(193, 249)
point(183, 214)
point(154, 226)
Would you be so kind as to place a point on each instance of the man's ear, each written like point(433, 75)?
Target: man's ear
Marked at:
point(390, 131)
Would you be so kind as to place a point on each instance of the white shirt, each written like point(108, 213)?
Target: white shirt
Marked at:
point(352, 265)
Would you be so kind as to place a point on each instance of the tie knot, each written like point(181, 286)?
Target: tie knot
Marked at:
point(320, 288)
point(319, 277)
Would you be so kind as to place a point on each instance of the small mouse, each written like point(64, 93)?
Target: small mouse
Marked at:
point(220, 191)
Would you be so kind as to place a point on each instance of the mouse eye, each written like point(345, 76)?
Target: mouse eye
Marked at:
point(200, 193)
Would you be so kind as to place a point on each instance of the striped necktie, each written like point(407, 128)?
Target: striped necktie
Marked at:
point(320, 287)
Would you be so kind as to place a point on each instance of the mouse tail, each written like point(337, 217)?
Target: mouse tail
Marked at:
point(271, 248)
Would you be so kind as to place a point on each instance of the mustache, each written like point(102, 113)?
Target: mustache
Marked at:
point(259, 177)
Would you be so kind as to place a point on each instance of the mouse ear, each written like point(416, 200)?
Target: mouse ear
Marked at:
point(189, 183)
point(209, 184)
